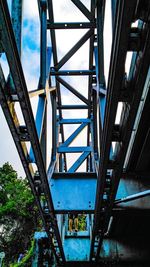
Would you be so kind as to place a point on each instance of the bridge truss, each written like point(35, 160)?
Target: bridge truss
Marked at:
point(107, 150)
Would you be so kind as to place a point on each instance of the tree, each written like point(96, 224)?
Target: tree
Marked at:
point(18, 213)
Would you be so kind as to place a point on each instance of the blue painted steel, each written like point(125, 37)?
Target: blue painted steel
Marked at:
point(16, 14)
point(113, 12)
point(73, 149)
point(130, 187)
point(77, 249)
point(78, 162)
point(41, 106)
point(74, 121)
point(73, 135)
point(74, 194)
point(43, 45)
point(48, 61)
point(132, 197)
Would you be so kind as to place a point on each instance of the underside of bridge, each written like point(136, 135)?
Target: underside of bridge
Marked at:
point(99, 168)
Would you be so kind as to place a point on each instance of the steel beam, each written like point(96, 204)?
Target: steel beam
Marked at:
point(54, 72)
point(76, 149)
point(74, 49)
point(71, 138)
point(55, 58)
point(72, 90)
point(83, 9)
point(132, 197)
point(78, 162)
point(71, 25)
point(114, 84)
point(9, 44)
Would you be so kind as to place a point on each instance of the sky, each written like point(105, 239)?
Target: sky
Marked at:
point(64, 11)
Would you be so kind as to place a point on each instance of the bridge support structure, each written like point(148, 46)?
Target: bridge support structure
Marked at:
point(91, 173)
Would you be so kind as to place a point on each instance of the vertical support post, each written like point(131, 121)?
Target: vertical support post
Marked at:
point(100, 25)
point(55, 127)
point(113, 12)
point(43, 44)
point(16, 13)
point(95, 141)
point(43, 72)
point(43, 141)
point(16, 16)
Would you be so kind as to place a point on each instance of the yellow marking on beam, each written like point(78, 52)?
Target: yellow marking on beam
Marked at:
point(11, 106)
point(41, 91)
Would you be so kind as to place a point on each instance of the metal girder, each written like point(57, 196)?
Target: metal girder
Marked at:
point(114, 84)
point(74, 121)
point(71, 191)
point(78, 162)
point(72, 107)
point(71, 25)
point(74, 49)
point(9, 45)
point(66, 185)
point(13, 124)
point(74, 149)
point(71, 138)
point(132, 197)
point(54, 72)
point(55, 58)
point(83, 9)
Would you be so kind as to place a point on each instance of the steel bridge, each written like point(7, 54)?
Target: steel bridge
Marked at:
point(103, 176)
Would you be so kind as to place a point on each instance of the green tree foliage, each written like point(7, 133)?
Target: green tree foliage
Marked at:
point(18, 214)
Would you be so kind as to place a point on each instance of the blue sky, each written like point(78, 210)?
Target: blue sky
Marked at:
point(64, 10)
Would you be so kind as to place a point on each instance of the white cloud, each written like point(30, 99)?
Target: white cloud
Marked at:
point(8, 151)
point(30, 9)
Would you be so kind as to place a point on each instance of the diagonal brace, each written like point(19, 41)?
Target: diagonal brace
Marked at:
point(74, 49)
point(72, 90)
point(133, 197)
point(83, 9)
point(78, 162)
point(74, 135)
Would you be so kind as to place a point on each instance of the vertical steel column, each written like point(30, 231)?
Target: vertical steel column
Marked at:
point(43, 42)
point(16, 17)
point(16, 13)
point(43, 71)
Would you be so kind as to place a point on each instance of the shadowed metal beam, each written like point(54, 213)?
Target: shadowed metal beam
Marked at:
point(9, 45)
point(72, 107)
point(54, 72)
point(16, 18)
point(116, 74)
point(83, 9)
point(70, 25)
point(132, 197)
point(54, 50)
point(90, 80)
point(13, 124)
